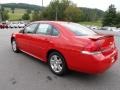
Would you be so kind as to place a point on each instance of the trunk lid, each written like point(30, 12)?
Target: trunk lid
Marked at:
point(104, 43)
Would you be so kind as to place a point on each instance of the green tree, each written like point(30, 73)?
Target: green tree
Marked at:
point(2, 8)
point(5, 15)
point(13, 9)
point(110, 16)
point(26, 16)
point(56, 9)
point(36, 16)
point(72, 13)
point(28, 11)
point(118, 20)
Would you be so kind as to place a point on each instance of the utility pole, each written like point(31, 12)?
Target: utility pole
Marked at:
point(56, 15)
point(0, 13)
point(42, 3)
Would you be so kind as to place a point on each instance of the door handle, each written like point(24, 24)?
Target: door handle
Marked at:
point(30, 38)
point(44, 39)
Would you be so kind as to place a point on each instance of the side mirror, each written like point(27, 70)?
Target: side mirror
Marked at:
point(21, 31)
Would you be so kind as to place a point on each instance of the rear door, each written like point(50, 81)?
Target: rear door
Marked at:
point(41, 40)
point(25, 38)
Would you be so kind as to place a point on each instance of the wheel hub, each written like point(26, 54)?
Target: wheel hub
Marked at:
point(56, 63)
point(14, 45)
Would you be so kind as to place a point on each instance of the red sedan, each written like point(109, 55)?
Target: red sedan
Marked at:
point(66, 45)
point(3, 26)
point(0, 26)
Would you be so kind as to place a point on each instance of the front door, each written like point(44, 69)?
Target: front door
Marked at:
point(25, 38)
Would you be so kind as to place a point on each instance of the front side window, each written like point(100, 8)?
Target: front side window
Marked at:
point(31, 28)
point(44, 29)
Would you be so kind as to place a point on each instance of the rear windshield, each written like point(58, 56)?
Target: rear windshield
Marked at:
point(78, 29)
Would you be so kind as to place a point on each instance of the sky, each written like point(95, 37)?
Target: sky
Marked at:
point(100, 4)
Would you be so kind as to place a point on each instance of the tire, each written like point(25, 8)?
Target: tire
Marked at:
point(57, 64)
point(14, 46)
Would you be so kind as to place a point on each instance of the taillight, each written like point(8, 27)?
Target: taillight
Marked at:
point(91, 49)
point(91, 53)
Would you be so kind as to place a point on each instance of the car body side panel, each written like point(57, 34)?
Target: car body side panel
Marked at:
point(70, 47)
point(39, 45)
point(23, 41)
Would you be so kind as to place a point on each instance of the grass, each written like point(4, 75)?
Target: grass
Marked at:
point(17, 15)
point(93, 23)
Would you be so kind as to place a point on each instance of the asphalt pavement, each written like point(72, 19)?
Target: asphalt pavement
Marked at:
point(23, 72)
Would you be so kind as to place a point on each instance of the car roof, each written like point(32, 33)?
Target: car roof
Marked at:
point(54, 22)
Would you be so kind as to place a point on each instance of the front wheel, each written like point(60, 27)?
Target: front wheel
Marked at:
point(14, 46)
point(57, 63)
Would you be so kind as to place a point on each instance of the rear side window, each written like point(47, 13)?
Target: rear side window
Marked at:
point(78, 29)
point(44, 29)
point(47, 29)
point(55, 32)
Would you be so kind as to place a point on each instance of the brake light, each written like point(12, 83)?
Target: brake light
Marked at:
point(92, 49)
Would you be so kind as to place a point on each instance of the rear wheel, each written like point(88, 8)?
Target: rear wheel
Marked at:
point(57, 63)
point(14, 46)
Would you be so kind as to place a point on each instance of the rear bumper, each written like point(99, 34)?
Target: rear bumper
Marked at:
point(93, 64)
point(105, 63)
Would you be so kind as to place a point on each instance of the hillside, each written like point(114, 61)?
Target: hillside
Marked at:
point(91, 14)
point(22, 6)
point(20, 9)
